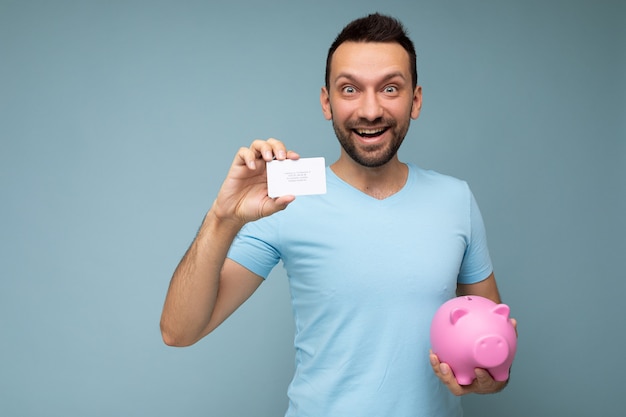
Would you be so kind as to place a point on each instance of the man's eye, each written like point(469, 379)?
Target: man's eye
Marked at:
point(391, 89)
point(349, 90)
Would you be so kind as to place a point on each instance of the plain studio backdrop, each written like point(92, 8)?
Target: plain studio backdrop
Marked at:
point(119, 120)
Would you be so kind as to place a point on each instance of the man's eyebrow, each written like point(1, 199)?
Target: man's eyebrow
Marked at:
point(386, 78)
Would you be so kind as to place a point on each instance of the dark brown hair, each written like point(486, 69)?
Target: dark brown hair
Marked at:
point(375, 28)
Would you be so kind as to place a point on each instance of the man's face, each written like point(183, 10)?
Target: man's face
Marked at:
point(370, 100)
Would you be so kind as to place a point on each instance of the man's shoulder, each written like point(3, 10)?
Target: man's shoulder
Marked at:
point(435, 178)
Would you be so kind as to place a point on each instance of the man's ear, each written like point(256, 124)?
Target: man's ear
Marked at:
point(416, 106)
point(325, 102)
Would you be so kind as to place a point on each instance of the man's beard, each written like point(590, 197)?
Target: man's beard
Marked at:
point(376, 155)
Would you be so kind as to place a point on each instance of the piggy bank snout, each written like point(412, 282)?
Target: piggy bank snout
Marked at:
point(491, 351)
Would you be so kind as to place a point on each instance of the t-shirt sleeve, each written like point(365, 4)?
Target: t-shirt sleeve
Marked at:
point(476, 265)
point(254, 247)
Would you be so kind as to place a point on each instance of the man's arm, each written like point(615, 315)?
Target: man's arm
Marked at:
point(206, 286)
point(486, 288)
point(484, 383)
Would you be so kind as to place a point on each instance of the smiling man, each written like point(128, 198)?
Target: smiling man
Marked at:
point(371, 97)
point(368, 263)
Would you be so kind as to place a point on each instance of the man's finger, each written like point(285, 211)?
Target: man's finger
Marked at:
point(483, 378)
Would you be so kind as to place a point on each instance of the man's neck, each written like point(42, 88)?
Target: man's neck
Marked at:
point(380, 182)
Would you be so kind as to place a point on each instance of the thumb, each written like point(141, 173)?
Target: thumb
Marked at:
point(273, 205)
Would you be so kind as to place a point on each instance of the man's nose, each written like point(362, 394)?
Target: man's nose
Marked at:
point(370, 107)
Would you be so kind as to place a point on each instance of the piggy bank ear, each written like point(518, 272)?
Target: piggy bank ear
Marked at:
point(502, 310)
point(456, 314)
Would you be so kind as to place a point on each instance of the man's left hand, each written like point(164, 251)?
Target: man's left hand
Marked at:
point(483, 384)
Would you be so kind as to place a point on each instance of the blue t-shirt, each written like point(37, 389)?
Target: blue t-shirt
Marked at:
point(366, 277)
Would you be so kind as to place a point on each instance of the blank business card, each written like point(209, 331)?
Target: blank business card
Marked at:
point(305, 176)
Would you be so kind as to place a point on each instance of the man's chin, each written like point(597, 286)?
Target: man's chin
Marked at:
point(372, 159)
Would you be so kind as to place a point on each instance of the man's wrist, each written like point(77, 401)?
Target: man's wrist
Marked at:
point(218, 220)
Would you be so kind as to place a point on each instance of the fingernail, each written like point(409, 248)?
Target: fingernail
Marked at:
point(282, 155)
point(267, 154)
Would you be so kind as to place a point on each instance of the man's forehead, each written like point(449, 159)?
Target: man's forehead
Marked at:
point(357, 57)
point(363, 48)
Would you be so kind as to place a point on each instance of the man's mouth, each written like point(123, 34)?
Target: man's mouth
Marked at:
point(370, 133)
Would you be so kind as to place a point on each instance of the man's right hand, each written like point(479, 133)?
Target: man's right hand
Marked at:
point(206, 286)
point(243, 196)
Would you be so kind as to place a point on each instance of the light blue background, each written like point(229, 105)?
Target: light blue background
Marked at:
point(119, 119)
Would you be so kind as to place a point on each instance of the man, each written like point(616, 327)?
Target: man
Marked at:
point(368, 263)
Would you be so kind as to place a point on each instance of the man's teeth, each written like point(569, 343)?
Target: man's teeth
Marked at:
point(369, 132)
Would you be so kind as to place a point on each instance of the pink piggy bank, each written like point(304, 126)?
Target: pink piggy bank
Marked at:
point(474, 332)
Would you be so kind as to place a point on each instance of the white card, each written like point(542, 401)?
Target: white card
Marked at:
point(304, 176)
